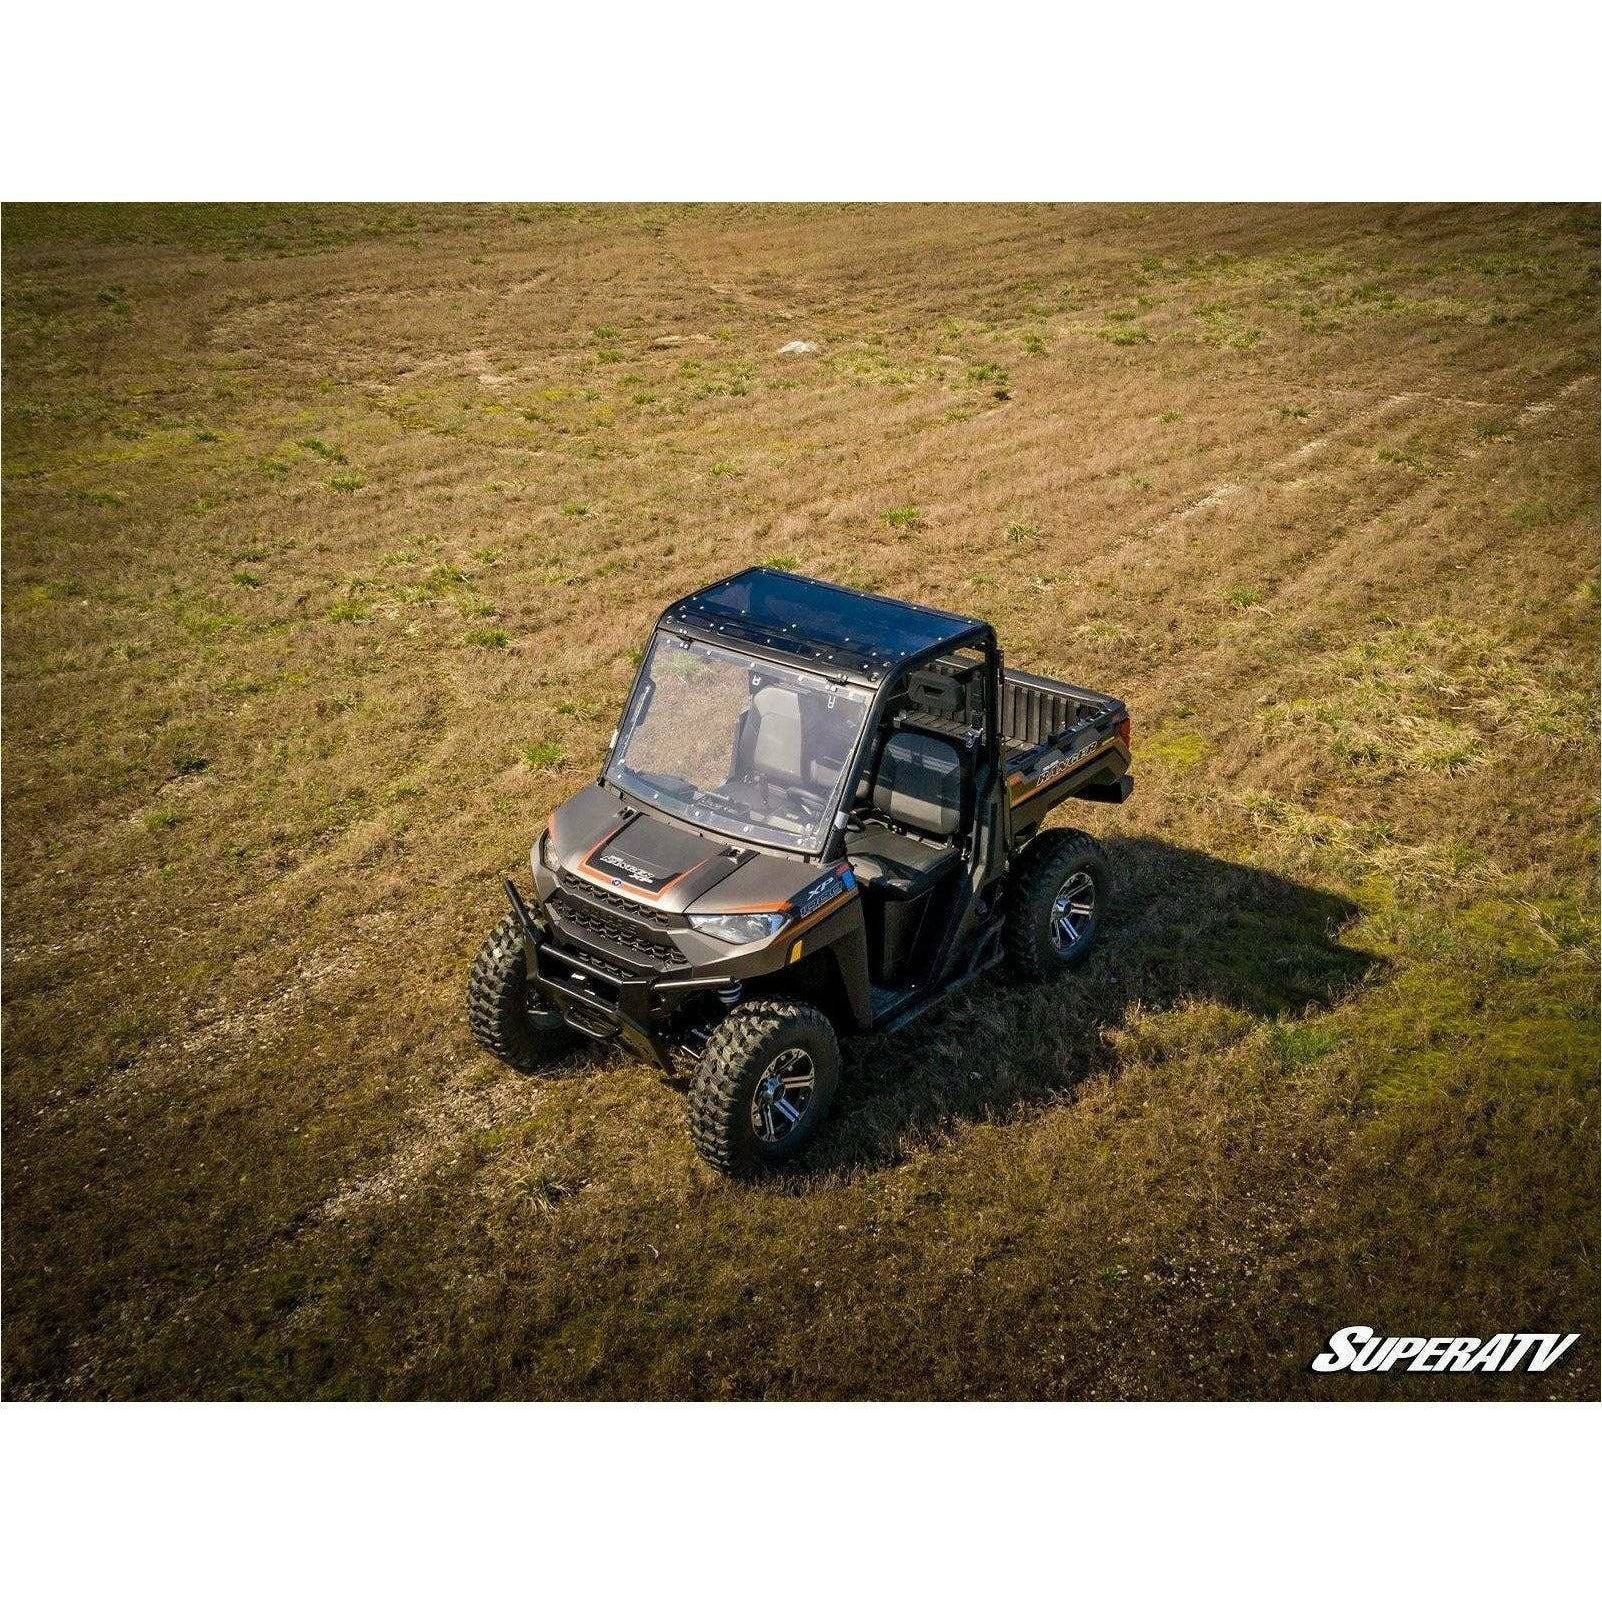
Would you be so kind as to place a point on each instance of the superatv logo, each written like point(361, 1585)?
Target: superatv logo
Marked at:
point(1358, 1350)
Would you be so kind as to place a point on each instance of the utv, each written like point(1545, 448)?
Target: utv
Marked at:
point(819, 815)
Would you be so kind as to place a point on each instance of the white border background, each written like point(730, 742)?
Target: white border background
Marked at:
point(1297, 1503)
point(863, 101)
point(871, 100)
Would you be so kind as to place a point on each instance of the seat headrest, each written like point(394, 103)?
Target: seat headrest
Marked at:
point(919, 784)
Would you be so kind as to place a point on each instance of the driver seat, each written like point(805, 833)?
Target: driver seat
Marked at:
point(767, 744)
point(783, 740)
point(773, 729)
point(768, 749)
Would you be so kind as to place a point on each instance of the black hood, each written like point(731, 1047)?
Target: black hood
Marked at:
point(666, 865)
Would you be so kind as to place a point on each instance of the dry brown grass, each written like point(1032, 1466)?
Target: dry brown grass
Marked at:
point(329, 535)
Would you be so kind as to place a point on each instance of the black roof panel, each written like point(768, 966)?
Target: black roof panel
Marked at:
point(825, 623)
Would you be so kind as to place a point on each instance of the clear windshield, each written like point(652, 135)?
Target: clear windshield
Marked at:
point(741, 746)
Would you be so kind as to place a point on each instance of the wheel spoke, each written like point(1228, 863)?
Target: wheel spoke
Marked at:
point(781, 1096)
point(1072, 911)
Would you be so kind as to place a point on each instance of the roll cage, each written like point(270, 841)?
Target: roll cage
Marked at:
point(883, 668)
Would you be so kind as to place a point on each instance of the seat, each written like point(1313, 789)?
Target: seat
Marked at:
point(773, 728)
point(896, 864)
point(919, 788)
point(767, 753)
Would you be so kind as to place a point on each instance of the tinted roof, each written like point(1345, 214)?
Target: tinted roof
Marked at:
point(826, 623)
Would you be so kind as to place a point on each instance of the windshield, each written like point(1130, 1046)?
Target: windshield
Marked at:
point(737, 745)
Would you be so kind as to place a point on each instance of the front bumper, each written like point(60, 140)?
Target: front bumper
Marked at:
point(601, 999)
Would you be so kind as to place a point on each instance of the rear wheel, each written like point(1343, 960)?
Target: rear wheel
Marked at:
point(1055, 906)
point(500, 1010)
point(766, 1078)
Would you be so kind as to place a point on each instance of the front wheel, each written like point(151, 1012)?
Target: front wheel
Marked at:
point(500, 1010)
point(1058, 896)
point(766, 1078)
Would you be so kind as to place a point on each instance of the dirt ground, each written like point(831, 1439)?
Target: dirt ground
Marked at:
point(331, 536)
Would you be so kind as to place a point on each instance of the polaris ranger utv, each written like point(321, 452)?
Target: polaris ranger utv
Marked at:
point(819, 815)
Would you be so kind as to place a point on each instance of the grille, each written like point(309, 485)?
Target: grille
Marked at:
point(583, 890)
point(594, 920)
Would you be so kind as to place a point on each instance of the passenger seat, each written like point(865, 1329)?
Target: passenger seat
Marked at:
point(919, 788)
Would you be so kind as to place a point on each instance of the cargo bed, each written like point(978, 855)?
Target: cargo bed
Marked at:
point(1058, 740)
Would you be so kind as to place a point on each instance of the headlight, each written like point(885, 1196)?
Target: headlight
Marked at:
point(739, 928)
point(548, 854)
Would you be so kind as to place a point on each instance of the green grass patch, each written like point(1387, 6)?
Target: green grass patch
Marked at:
point(540, 756)
point(204, 624)
point(1430, 697)
point(318, 447)
point(1174, 748)
point(1298, 1045)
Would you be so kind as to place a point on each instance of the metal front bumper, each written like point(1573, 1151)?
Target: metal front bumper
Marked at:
point(597, 998)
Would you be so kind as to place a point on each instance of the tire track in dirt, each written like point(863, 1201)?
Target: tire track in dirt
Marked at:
point(1349, 553)
point(1172, 526)
point(1268, 474)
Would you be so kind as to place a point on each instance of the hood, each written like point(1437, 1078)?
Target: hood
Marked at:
point(664, 865)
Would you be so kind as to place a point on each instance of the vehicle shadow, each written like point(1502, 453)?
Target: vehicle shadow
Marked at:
point(1184, 927)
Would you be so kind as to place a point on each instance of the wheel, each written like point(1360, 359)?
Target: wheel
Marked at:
point(503, 1020)
point(766, 1078)
point(1059, 891)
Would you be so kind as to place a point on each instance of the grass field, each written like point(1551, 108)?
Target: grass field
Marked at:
point(331, 535)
